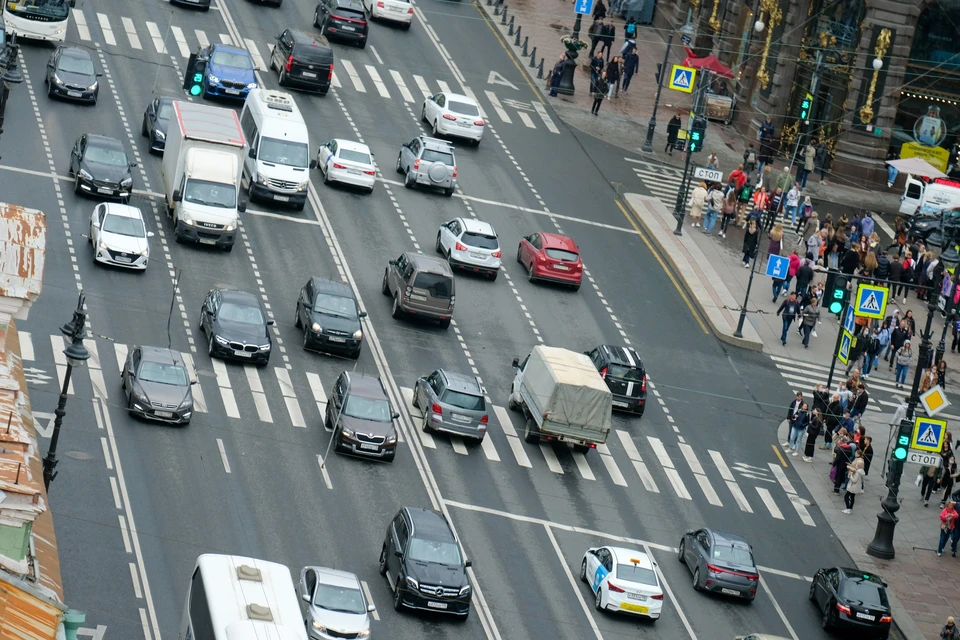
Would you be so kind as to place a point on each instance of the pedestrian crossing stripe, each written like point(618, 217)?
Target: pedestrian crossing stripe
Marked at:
point(871, 301)
point(928, 434)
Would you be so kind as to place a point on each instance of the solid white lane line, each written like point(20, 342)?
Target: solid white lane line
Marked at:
point(223, 455)
point(131, 32)
point(573, 583)
point(669, 593)
point(202, 38)
point(367, 594)
point(316, 388)
point(107, 29)
point(526, 120)
point(181, 41)
point(467, 91)
point(769, 503)
point(401, 85)
point(551, 457)
point(501, 112)
point(675, 480)
point(422, 85)
point(61, 361)
point(323, 471)
point(156, 37)
point(290, 397)
point(199, 402)
point(443, 86)
point(226, 393)
point(631, 450)
point(582, 465)
point(256, 390)
point(354, 77)
point(782, 478)
point(255, 54)
point(335, 80)
point(776, 605)
point(516, 446)
point(81, 21)
point(425, 438)
point(489, 450)
point(377, 80)
point(26, 346)
point(457, 443)
point(547, 120)
point(225, 39)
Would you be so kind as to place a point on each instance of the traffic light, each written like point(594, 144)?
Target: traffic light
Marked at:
point(838, 294)
point(805, 105)
point(902, 444)
point(659, 72)
point(697, 134)
point(193, 76)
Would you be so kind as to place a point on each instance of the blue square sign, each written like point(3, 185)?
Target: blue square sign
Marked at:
point(849, 322)
point(584, 7)
point(778, 266)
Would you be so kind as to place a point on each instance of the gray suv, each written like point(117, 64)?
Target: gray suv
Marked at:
point(452, 402)
point(429, 162)
point(421, 286)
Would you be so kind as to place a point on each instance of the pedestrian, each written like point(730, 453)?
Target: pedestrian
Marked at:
point(712, 161)
point(858, 351)
point(765, 157)
point(794, 409)
point(948, 479)
point(873, 348)
point(557, 74)
point(714, 204)
point(698, 201)
point(929, 481)
point(614, 68)
point(600, 11)
point(798, 428)
point(860, 401)
point(950, 631)
point(729, 211)
point(898, 336)
point(792, 269)
point(596, 68)
point(766, 129)
point(903, 356)
point(855, 476)
point(595, 31)
point(804, 171)
point(948, 530)
point(631, 63)
point(899, 236)
point(833, 415)
point(811, 236)
point(673, 130)
point(907, 274)
point(821, 160)
point(806, 212)
point(842, 456)
point(737, 176)
point(788, 312)
point(751, 239)
point(867, 448)
point(811, 315)
point(773, 207)
point(630, 29)
point(607, 36)
point(814, 425)
point(928, 380)
point(743, 199)
point(599, 93)
point(821, 398)
point(750, 159)
point(804, 275)
point(942, 374)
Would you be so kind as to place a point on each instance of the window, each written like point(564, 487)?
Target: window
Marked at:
point(124, 226)
point(463, 400)
point(562, 255)
point(868, 593)
point(703, 539)
point(41, 10)
point(480, 241)
point(249, 126)
point(162, 373)
point(335, 305)
point(244, 314)
point(200, 619)
point(373, 409)
point(536, 242)
point(163, 111)
point(429, 155)
point(359, 157)
point(313, 54)
point(731, 554)
point(437, 285)
point(440, 99)
point(106, 155)
point(211, 194)
point(232, 59)
point(284, 152)
point(434, 382)
point(464, 108)
point(400, 524)
point(625, 373)
point(636, 573)
point(76, 64)
point(436, 551)
point(401, 262)
point(339, 599)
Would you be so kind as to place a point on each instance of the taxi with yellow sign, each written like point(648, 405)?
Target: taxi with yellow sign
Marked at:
point(623, 580)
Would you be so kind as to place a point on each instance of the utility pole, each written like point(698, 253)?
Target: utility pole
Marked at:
point(695, 135)
point(647, 145)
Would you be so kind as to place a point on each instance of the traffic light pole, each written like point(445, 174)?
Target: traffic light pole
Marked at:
point(679, 210)
point(647, 145)
point(836, 347)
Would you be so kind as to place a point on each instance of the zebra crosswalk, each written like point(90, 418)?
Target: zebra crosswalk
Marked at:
point(348, 74)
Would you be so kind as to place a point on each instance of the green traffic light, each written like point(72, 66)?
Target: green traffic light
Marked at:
point(900, 453)
point(903, 441)
point(836, 307)
point(195, 90)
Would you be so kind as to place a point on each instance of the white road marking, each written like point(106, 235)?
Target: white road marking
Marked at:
point(444, 87)
point(526, 120)
point(58, 346)
point(699, 474)
point(202, 38)
point(256, 390)
point(323, 471)
point(776, 605)
point(225, 39)
point(199, 402)
point(457, 443)
point(782, 478)
point(422, 84)
point(573, 583)
point(107, 29)
point(226, 393)
point(547, 120)
point(125, 534)
point(582, 465)
point(136, 581)
point(290, 397)
point(401, 85)
point(223, 455)
point(354, 77)
point(489, 450)
point(512, 440)
point(679, 488)
point(769, 503)
point(611, 465)
point(369, 597)
point(106, 452)
point(116, 493)
point(376, 54)
point(255, 54)
point(95, 371)
point(156, 37)
point(181, 41)
point(425, 438)
point(81, 21)
point(501, 112)
point(316, 387)
point(377, 80)
point(335, 81)
point(691, 458)
point(631, 450)
point(120, 351)
point(26, 346)
point(131, 32)
point(551, 457)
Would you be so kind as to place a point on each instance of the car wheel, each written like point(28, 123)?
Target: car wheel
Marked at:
point(396, 311)
point(827, 621)
point(530, 273)
point(363, 44)
point(383, 560)
point(423, 114)
point(519, 259)
point(210, 344)
point(425, 427)
point(576, 287)
point(143, 128)
point(598, 601)
point(493, 275)
point(813, 592)
point(696, 579)
point(448, 192)
point(326, 178)
point(282, 80)
point(583, 570)
point(531, 433)
point(439, 247)
point(444, 324)
point(436, 134)
point(406, 26)
point(316, 20)
point(399, 168)
point(306, 339)
point(250, 189)
point(90, 234)
point(385, 288)
point(397, 599)
point(680, 551)
point(296, 320)
point(512, 405)
point(409, 181)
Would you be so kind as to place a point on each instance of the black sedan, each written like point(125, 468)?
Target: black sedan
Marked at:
point(330, 318)
point(156, 117)
point(101, 168)
point(157, 385)
point(71, 75)
point(236, 326)
point(721, 562)
point(853, 600)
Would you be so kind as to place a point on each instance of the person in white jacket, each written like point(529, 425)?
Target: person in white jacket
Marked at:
point(792, 203)
point(697, 202)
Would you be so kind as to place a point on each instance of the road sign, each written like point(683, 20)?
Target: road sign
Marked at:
point(923, 457)
point(682, 78)
point(685, 39)
point(928, 434)
point(849, 323)
point(843, 353)
point(584, 7)
point(711, 175)
point(871, 301)
point(778, 266)
point(934, 400)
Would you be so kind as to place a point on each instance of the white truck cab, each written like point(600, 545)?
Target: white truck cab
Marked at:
point(921, 197)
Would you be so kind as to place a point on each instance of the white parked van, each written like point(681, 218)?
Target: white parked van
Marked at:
point(930, 197)
point(277, 153)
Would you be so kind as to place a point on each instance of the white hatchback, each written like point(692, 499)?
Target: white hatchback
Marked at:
point(393, 10)
point(453, 114)
point(623, 580)
point(118, 236)
point(347, 162)
point(470, 245)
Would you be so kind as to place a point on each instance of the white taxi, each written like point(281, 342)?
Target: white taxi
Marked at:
point(118, 236)
point(623, 580)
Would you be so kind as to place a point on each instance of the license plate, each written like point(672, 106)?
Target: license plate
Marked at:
point(353, 172)
point(414, 296)
point(123, 259)
point(637, 596)
point(207, 241)
point(232, 92)
point(164, 414)
point(461, 418)
point(397, 9)
point(866, 616)
point(346, 28)
point(282, 198)
point(104, 190)
point(478, 256)
point(437, 605)
point(562, 267)
point(308, 74)
point(623, 405)
point(336, 339)
point(370, 447)
point(74, 94)
point(242, 354)
point(730, 592)
point(637, 608)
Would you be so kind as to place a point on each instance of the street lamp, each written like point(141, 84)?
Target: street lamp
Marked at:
point(10, 75)
point(877, 64)
point(76, 354)
point(758, 26)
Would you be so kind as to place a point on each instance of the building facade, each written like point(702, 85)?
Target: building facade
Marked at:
point(827, 50)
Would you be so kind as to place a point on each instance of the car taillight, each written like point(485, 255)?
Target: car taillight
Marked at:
point(643, 384)
point(496, 254)
point(885, 619)
point(289, 63)
point(603, 373)
point(659, 596)
point(370, 173)
point(614, 588)
point(330, 72)
point(460, 247)
point(380, 5)
point(478, 123)
point(338, 166)
point(447, 116)
point(753, 577)
point(436, 409)
point(416, 164)
point(485, 419)
point(842, 608)
point(454, 172)
point(713, 569)
point(410, 10)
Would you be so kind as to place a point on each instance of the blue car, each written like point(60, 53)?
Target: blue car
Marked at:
point(229, 71)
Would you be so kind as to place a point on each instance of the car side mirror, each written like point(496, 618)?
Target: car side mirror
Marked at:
point(399, 554)
point(177, 196)
point(242, 206)
point(516, 363)
point(150, 234)
point(392, 262)
point(363, 314)
point(270, 323)
point(395, 415)
point(99, 75)
point(313, 164)
point(133, 164)
point(371, 608)
point(305, 597)
point(252, 153)
point(468, 563)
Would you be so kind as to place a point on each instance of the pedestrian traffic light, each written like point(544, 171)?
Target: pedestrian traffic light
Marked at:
point(805, 105)
point(659, 72)
point(839, 294)
point(697, 134)
point(193, 76)
point(902, 444)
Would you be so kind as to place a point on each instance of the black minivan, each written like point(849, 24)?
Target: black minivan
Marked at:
point(303, 60)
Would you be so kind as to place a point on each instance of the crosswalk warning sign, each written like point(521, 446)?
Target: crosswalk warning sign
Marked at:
point(682, 78)
point(927, 437)
point(871, 301)
point(928, 434)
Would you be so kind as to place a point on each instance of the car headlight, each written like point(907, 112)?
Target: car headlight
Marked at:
point(252, 85)
point(59, 31)
point(56, 79)
point(140, 397)
point(347, 432)
point(92, 87)
point(316, 327)
point(85, 174)
point(220, 340)
point(263, 179)
point(391, 439)
point(464, 590)
point(126, 183)
point(358, 334)
point(103, 245)
point(230, 227)
point(145, 253)
point(364, 633)
point(265, 347)
point(303, 186)
point(159, 135)
point(186, 404)
point(413, 584)
point(212, 79)
point(318, 626)
point(187, 220)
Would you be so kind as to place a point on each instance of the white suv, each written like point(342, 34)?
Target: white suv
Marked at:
point(470, 245)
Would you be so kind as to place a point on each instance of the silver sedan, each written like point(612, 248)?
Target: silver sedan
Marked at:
point(333, 604)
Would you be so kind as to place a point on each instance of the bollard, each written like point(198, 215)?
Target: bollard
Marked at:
point(510, 30)
point(516, 42)
point(525, 41)
point(489, 2)
point(540, 70)
point(496, 9)
point(503, 15)
point(533, 58)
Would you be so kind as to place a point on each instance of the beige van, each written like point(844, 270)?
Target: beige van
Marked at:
point(421, 286)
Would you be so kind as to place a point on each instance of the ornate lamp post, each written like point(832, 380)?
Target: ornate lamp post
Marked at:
point(573, 45)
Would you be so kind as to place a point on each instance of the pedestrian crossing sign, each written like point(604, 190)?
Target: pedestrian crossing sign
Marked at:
point(934, 400)
point(846, 341)
point(682, 78)
point(871, 301)
point(928, 434)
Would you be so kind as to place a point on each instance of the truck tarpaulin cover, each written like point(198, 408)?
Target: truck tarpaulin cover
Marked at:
point(568, 386)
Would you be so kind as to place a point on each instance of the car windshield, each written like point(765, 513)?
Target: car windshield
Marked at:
point(163, 373)
point(164, 111)
point(76, 64)
point(359, 157)
point(292, 154)
point(480, 241)
point(463, 400)
point(375, 409)
point(124, 226)
point(350, 13)
point(625, 373)
point(436, 285)
point(733, 554)
point(634, 573)
point(211, 194)
point(463, 107)
point(335, 305)
point(865, 593)
point(560, 254)
point(232, 59)
point(54, 9)
point(241, 313)
point(106, 155)
point(421, 550)
point(339, 599)
point(429, 155)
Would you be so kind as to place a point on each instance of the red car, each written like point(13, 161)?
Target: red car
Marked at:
point(550, 256)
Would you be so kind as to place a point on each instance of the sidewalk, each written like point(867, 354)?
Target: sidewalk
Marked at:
point(623, 121)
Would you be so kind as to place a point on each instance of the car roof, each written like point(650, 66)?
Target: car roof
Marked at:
point(167, 100)
point(230, 49)
point(429, 524)
point(557, 241)
point(351, 4)
point(624, 356)
point(626, 556)
point(436, 143)
point(350, 145)
point(336, 577)
point(236, 295)
point(857, 573)
point(104, 141)
point(161, 355)
point(462, 382)
point(432, 264)
point(365, 386)
point(75, 52)
point(477, 226)
point(322, 285)
point(305, 37)
point(460, 98)
point(722, 537)
point(123, 210)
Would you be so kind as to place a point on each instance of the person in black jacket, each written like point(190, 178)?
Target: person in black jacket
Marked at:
point(673, 130)
point(804, 274)
point(821, 398)
point(832, 419)
point(897, 337)
point(631, 64)
point(600, 11)
point(883, 266)
point(873, 350)
point(788, 311)
point(607, 35)
point(614, 69)
point(860, 402)
point(596, 30)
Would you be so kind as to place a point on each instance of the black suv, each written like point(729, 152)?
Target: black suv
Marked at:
point(360, 417)
point(343, 19)
point(303, 60)
point(423, 563)
point(622, 370)
point(330, 317)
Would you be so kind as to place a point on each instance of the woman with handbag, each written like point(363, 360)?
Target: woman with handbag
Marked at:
point(855, 477)
point(929, 482)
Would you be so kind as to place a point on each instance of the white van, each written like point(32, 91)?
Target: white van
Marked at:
point(277, 160)
point(929, 198)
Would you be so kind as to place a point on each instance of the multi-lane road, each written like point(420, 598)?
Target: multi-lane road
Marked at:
point(135, 503)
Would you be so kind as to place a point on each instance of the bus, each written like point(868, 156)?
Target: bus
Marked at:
point(37, 19)
point(235, 597)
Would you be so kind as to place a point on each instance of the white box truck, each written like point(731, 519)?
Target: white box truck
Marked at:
point(563, 398)
point(926, 198)
point(202, 162)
